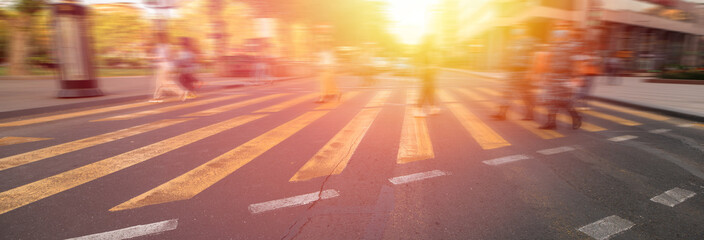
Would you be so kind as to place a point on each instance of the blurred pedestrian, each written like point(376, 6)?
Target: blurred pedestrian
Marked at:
point(427, 62)
point(187, 67)
point(539, 68)
point(517, 63)
point(261, 66)
point(366, 66)
point(163, 69)
point(613, 70)
point(326, 73)
point(561, 70)
point(589, 69)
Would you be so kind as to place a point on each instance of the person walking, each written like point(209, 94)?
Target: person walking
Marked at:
point(613, 70)
point(517, 62)
point(560, 73)
point(261, 68)
point(538, 70)
point(326, 74)
point(427, 60)
point(589, 69)
point(366, 66)
point(163, 69)
point(187, 67)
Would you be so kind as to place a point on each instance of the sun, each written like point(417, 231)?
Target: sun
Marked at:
point(410, 18)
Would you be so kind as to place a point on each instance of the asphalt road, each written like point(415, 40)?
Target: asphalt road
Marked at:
point(265, 162)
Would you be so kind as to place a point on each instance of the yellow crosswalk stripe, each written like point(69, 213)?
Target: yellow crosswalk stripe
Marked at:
point(334, 103)
point(29, 193)
point(564, 118)
point(197, 180)
point(334, 156)
point(612, 118)
point(444, 97)
point(234, 106)
point(379, 99)
point(483, 134)
point(4, 141)
point(52, 151)
point(72, 115)
point(472, 95)
point(415, 144)
point(590, 127)
point(634, 112)
point(168, 109)
point(287, 104)
point(489, 91)
point(531, 126)
point(567, 119)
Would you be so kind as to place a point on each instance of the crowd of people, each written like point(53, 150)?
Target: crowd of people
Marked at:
point(174, 71)
point(563, 69)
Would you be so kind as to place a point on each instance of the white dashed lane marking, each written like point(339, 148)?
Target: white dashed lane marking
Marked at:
point(557, 150)
point(686, 125)
point(416, 177)
point(622, 138)
point(508, 159)
point(135, 231)
point(292, 201)
point(659, 131)
point(606, 227)
point(673, 197)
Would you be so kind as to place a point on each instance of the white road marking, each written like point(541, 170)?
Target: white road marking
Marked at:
point(673, 197)
point(606, 227)
point(292, 201)
point(557, 150)
point(508, 159)
point(658, 131)
point(416, 177)
point(686, 125)
point(135, 231)
point(622, 138)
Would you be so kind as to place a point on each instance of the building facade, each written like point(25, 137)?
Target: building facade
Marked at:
point(645, 34)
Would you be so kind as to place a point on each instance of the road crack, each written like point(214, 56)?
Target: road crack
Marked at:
point(320, 197)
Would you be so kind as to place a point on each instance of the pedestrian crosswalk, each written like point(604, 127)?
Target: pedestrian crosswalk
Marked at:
point(334, 156)
point(482, 133)
point(169, 108)
point(415, 142)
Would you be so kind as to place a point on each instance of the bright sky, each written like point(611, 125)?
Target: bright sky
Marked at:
point(410, 18)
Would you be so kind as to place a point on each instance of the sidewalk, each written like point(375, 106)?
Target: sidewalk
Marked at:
point(34, 96)
point(679, 100)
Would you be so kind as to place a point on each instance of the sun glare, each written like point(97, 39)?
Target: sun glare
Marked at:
point(410, 18)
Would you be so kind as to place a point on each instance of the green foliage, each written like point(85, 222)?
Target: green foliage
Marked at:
point(692, 75)
point(4, 41)
point(119, 37)
point(29, 7)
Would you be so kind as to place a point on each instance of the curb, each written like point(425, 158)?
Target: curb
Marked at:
point(64, 107)
point(52, 77)
point(678, 114)
point(470, 73)
point(675, 81)
point(28, 77)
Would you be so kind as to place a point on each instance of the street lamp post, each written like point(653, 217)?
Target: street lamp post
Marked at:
point(73, 51)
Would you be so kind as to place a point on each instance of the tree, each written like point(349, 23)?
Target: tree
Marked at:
point(19, 18)
point(118, 34)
